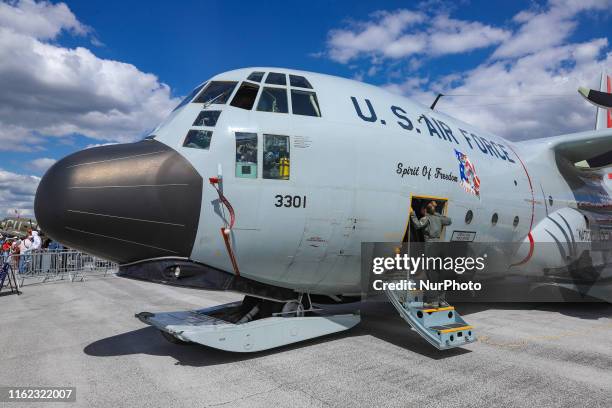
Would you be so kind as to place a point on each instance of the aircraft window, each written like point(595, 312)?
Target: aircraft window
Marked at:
point(516, 221)
point(246, 155)
point(207, 118)
point(304, 103)
point(256, 76)
point(217, 92)
point(198, 139)
point(494, 219)
point(245, 97)
point(274, 78)
point(276, 157)
point(273, 100)
point(189, 97)
point(469, 215)
point(300, 81)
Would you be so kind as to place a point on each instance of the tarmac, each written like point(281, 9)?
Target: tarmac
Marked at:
point(84, 335)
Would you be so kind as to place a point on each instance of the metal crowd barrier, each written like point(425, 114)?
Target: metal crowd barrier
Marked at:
point(48, 265)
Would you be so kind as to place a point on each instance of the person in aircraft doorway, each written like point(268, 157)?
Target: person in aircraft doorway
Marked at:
point(431, 224)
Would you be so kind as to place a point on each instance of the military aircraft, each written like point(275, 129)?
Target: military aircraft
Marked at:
point(267, 181)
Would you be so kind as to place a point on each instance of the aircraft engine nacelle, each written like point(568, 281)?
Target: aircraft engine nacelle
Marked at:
point(557, 241)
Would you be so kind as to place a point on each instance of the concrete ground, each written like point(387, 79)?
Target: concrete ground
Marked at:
point(85, 335)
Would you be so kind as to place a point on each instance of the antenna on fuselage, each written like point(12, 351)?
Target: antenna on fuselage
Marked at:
point(433, 105)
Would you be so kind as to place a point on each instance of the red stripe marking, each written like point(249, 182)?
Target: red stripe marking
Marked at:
point(531, 242)
point(230, 252)
point(225, 232)
point(530, 254)
point(530, 188)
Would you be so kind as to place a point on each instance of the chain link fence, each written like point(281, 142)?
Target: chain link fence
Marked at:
point(51, 265)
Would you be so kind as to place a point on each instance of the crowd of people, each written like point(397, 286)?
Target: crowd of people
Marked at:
point(20, 250)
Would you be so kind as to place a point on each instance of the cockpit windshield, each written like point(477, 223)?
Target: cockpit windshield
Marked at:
point(189, 97)
point(217, 92)
point(279, 93)
point(273, 100)
point(299, 81)
point(304, 103)
point(256, 76)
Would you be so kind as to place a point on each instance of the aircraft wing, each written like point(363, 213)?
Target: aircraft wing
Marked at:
point(583, 145)
point(575, 146)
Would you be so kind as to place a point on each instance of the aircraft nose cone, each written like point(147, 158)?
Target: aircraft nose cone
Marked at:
point(124, 202)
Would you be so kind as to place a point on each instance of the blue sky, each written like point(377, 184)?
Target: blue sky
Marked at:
point(81, 73)
point(185, 44)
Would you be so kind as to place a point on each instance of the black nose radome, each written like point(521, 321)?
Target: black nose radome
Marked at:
point(124, 202)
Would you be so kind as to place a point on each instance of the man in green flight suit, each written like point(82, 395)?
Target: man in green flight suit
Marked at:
point(431, 223)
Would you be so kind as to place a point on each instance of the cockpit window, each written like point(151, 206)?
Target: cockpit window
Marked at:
point(274, 78)
point(304, 103)
point(246, 155)
point(245, 97)
point(273, 100)
point(256, 76)
point(198, 139)
point(216, 92)
point(207, 118)
point(299, 81)
point(189, 97)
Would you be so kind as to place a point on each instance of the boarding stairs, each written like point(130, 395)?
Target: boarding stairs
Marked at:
point(441, 326)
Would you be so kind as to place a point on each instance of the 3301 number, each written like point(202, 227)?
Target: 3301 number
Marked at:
point(290, 201)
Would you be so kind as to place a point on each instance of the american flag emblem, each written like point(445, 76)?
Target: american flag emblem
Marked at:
point(469, 180)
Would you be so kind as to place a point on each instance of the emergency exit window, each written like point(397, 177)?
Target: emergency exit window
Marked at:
point(276, 157)
point(246, 155)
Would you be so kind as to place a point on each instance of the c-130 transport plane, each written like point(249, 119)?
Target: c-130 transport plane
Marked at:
point(266, 181)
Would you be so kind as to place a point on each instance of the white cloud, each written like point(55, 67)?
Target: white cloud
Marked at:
point(49, 90)
point(382, 36)
point(17, 193)
point(41, 164)
point(527, 87)
point(402, 33)
point(18, 138)
point(41, 20)
point(532, 96)
point(450, 36)
point(548, 28)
